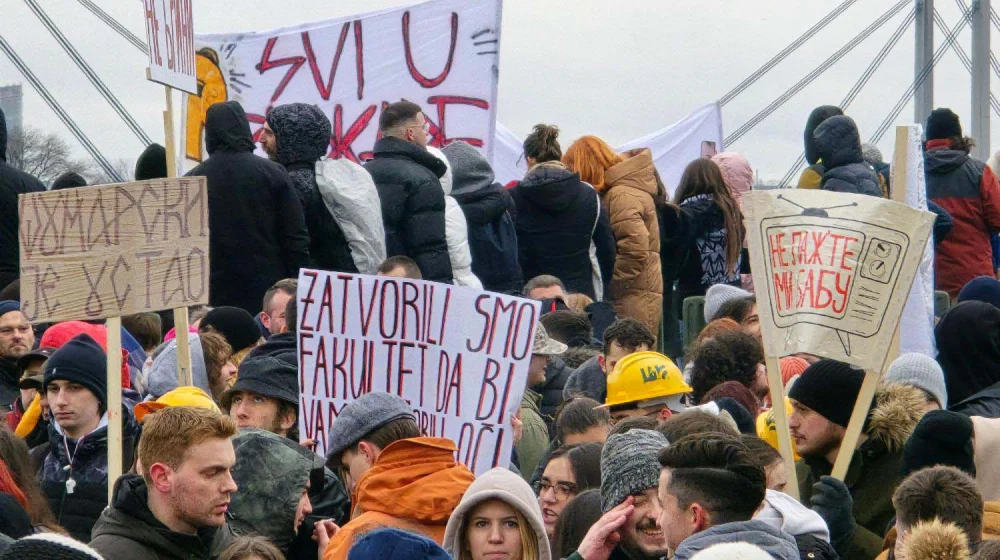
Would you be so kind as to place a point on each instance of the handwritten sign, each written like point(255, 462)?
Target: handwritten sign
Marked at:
point(837, 269)
point(440, 54)
point(96, 252)
point(458, 356)
point(170, 37)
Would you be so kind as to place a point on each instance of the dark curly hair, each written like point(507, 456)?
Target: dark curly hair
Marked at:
point(730, 356)
point(629, 334)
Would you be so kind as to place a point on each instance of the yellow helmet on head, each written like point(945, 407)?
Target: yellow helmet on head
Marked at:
point(642, 377)
point(767, 431)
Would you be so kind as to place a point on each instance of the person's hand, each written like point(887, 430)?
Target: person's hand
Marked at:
point(831, 499)
point(517, 426)
point(309, 444)
point(324, 530)
point(604, 536)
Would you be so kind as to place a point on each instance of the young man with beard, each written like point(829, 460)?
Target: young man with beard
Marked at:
point(630, 528)
point(859, 509)
point(16, 340)
point(177, 508)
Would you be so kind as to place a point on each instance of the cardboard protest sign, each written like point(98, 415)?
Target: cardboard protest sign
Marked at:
point(832, 270)
point(459, 356)
point(439, 54)
point(170, 37)
point(96, 252)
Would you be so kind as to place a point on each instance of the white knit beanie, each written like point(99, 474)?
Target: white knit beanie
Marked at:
point(732, 551)
point(921, 371)
point(720, 294)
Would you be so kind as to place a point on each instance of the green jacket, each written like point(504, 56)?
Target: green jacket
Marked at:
point(874, 472)
point(535, 436)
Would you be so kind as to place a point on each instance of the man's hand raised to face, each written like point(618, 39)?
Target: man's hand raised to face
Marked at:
point(604, 536)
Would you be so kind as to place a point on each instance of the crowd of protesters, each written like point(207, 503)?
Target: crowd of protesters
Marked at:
point(627, 446)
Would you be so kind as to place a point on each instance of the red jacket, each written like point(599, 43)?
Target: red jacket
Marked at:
point(968, 190)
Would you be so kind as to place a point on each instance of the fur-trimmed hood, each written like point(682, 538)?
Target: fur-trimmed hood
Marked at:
point(935, 540)
point(895, 413)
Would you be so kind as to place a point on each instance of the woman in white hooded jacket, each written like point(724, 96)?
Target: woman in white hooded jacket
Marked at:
point(456, 231)
point(498, 513)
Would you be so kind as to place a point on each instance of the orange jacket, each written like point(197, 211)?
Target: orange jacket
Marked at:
point(415, 485)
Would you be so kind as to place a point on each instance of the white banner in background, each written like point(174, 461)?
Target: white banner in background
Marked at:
point(440, 54)
point(673, 147)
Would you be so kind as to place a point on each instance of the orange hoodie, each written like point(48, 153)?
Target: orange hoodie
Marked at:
point(415, 485)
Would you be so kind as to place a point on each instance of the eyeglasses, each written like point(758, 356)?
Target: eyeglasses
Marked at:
point(563, 490)
point(426, 127)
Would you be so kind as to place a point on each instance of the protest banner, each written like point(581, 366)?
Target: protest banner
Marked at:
point(833, 271)
point(458, 356)
point(441, 54)
point(170, 39)
point(103, 252)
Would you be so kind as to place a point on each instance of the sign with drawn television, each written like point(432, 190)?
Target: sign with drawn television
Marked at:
point(836, 268)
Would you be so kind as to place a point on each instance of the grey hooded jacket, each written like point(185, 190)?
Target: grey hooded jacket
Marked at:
point(779, 544)
point(839, 147)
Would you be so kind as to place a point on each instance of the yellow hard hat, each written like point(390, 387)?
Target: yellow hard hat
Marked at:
point(767, 431)
point(644, 376)
point(181, 396)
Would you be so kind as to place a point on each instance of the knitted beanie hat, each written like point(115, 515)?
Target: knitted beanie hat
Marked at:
point(870, 153)
point(791, 367)
point(732, 551)
point(981, 288)
point(81, 361)
point(922, 372)
point(941, 437)
point(629, 465)
point(720, 294)
point(234, 324)
point(49, 546)
point(830, 388)
point(943, 123)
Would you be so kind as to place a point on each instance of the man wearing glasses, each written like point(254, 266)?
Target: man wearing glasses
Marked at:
point(407, 177)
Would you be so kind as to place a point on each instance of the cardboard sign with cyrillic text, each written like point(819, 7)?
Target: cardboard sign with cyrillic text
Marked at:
point(832, 270)
point(458, 356)
point(170, 37)
point(97, 252)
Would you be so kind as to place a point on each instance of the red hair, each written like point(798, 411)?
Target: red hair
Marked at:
point(591, 157)
point(9, 486)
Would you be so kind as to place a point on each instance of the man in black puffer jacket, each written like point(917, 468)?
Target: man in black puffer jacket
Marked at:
point(259, 234)
point(407, 177)
point(12, 183)
point(297, 135)
point(838, 145)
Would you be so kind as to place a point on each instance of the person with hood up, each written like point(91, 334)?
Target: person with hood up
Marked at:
point(968, 190)
point(838, 144)
point(273, 475)
point(161, 376)
point(812, 176)
point(859, 509)
point(968, 342)
point(152, 163)
point(630, 190)
point(342, 209)
point(408, 179)
point(397, 478)
point(13, 182)
point(738, 176)
point(562, 229)
point(968, 443)
point(456, 230)
point(259, 234)
point(488, 210)
point(497, 517)
point(68, 180)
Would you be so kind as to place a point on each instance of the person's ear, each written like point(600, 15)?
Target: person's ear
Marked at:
point(602, 361)
point(664, 414)
point(288, 420)
point(265, 320)
point(370, 451)
point(161, 477)
point(699, 518)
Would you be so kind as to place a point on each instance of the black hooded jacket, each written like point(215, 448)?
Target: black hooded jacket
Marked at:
point(258, 230)
point(303, 135)
point(407, 177)
point(838, 145)
point(127, 529)
point(558, 216)
point(12, 183)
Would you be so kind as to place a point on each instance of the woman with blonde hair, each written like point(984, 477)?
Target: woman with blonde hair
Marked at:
point(498, 514)
point(630, 189)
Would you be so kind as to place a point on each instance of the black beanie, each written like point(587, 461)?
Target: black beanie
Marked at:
point(941, 438)
point(81, 361)
point(943, 123)
point(830, 388)
point(152, 163)
point(68, 180)
point(233, 323)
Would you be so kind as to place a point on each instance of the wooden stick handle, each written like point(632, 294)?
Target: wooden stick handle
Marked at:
point(184, 376)
point(777, 391)
point(114, 373)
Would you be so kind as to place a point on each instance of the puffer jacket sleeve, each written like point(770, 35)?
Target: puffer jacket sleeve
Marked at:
point(423, 230)
point(457, 236)
point(631, 235)
point(989, 193)
point(604, 241)
point(351, 197)
point(812, 177)
point(292, 235)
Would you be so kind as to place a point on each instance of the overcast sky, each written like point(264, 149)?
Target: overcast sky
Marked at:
point(616, 69)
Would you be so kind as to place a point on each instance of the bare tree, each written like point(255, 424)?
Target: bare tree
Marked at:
point(47, 156)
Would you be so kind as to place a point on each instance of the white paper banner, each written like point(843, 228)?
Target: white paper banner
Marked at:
point(458, 356)
point(440, 54)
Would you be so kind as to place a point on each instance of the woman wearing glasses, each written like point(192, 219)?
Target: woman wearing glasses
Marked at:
point(571, 470)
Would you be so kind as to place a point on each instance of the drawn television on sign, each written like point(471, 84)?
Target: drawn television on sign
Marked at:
point(831, 271)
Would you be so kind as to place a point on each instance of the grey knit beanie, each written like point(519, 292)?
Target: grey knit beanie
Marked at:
point(720, 294)
point(922, 372)
point(361, 417)
point(629, 465)
point(870, 153)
